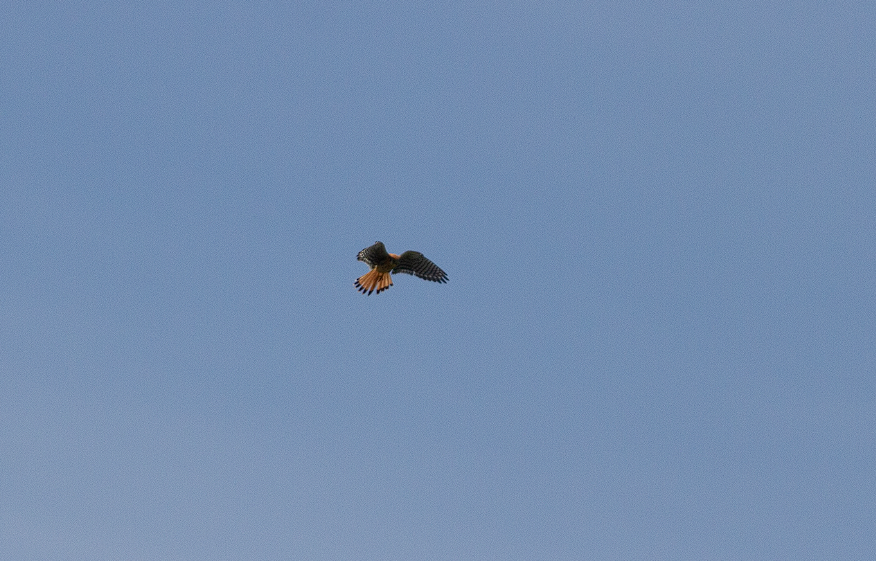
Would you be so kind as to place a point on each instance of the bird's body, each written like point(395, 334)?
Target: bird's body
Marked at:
point(383, 263)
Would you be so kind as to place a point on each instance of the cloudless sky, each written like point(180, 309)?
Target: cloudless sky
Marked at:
point(658, 340)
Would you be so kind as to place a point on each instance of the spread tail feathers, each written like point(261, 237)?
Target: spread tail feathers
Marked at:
point(373, 280)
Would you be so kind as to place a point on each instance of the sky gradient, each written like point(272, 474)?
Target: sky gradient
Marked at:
point(658, 339)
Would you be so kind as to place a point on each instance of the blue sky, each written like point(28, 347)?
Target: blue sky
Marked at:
point(659, 336)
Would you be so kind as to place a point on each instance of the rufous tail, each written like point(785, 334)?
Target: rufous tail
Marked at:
point(373, 280)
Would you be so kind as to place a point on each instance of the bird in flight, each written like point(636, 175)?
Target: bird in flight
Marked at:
point(383, 263)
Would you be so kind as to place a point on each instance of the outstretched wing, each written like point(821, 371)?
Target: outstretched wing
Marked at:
point(413, 263)
point(374, 254)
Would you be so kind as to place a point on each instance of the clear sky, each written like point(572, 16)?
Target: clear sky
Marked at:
point(658, 340)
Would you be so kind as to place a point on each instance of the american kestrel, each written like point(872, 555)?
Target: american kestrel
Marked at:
point(383, 263)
